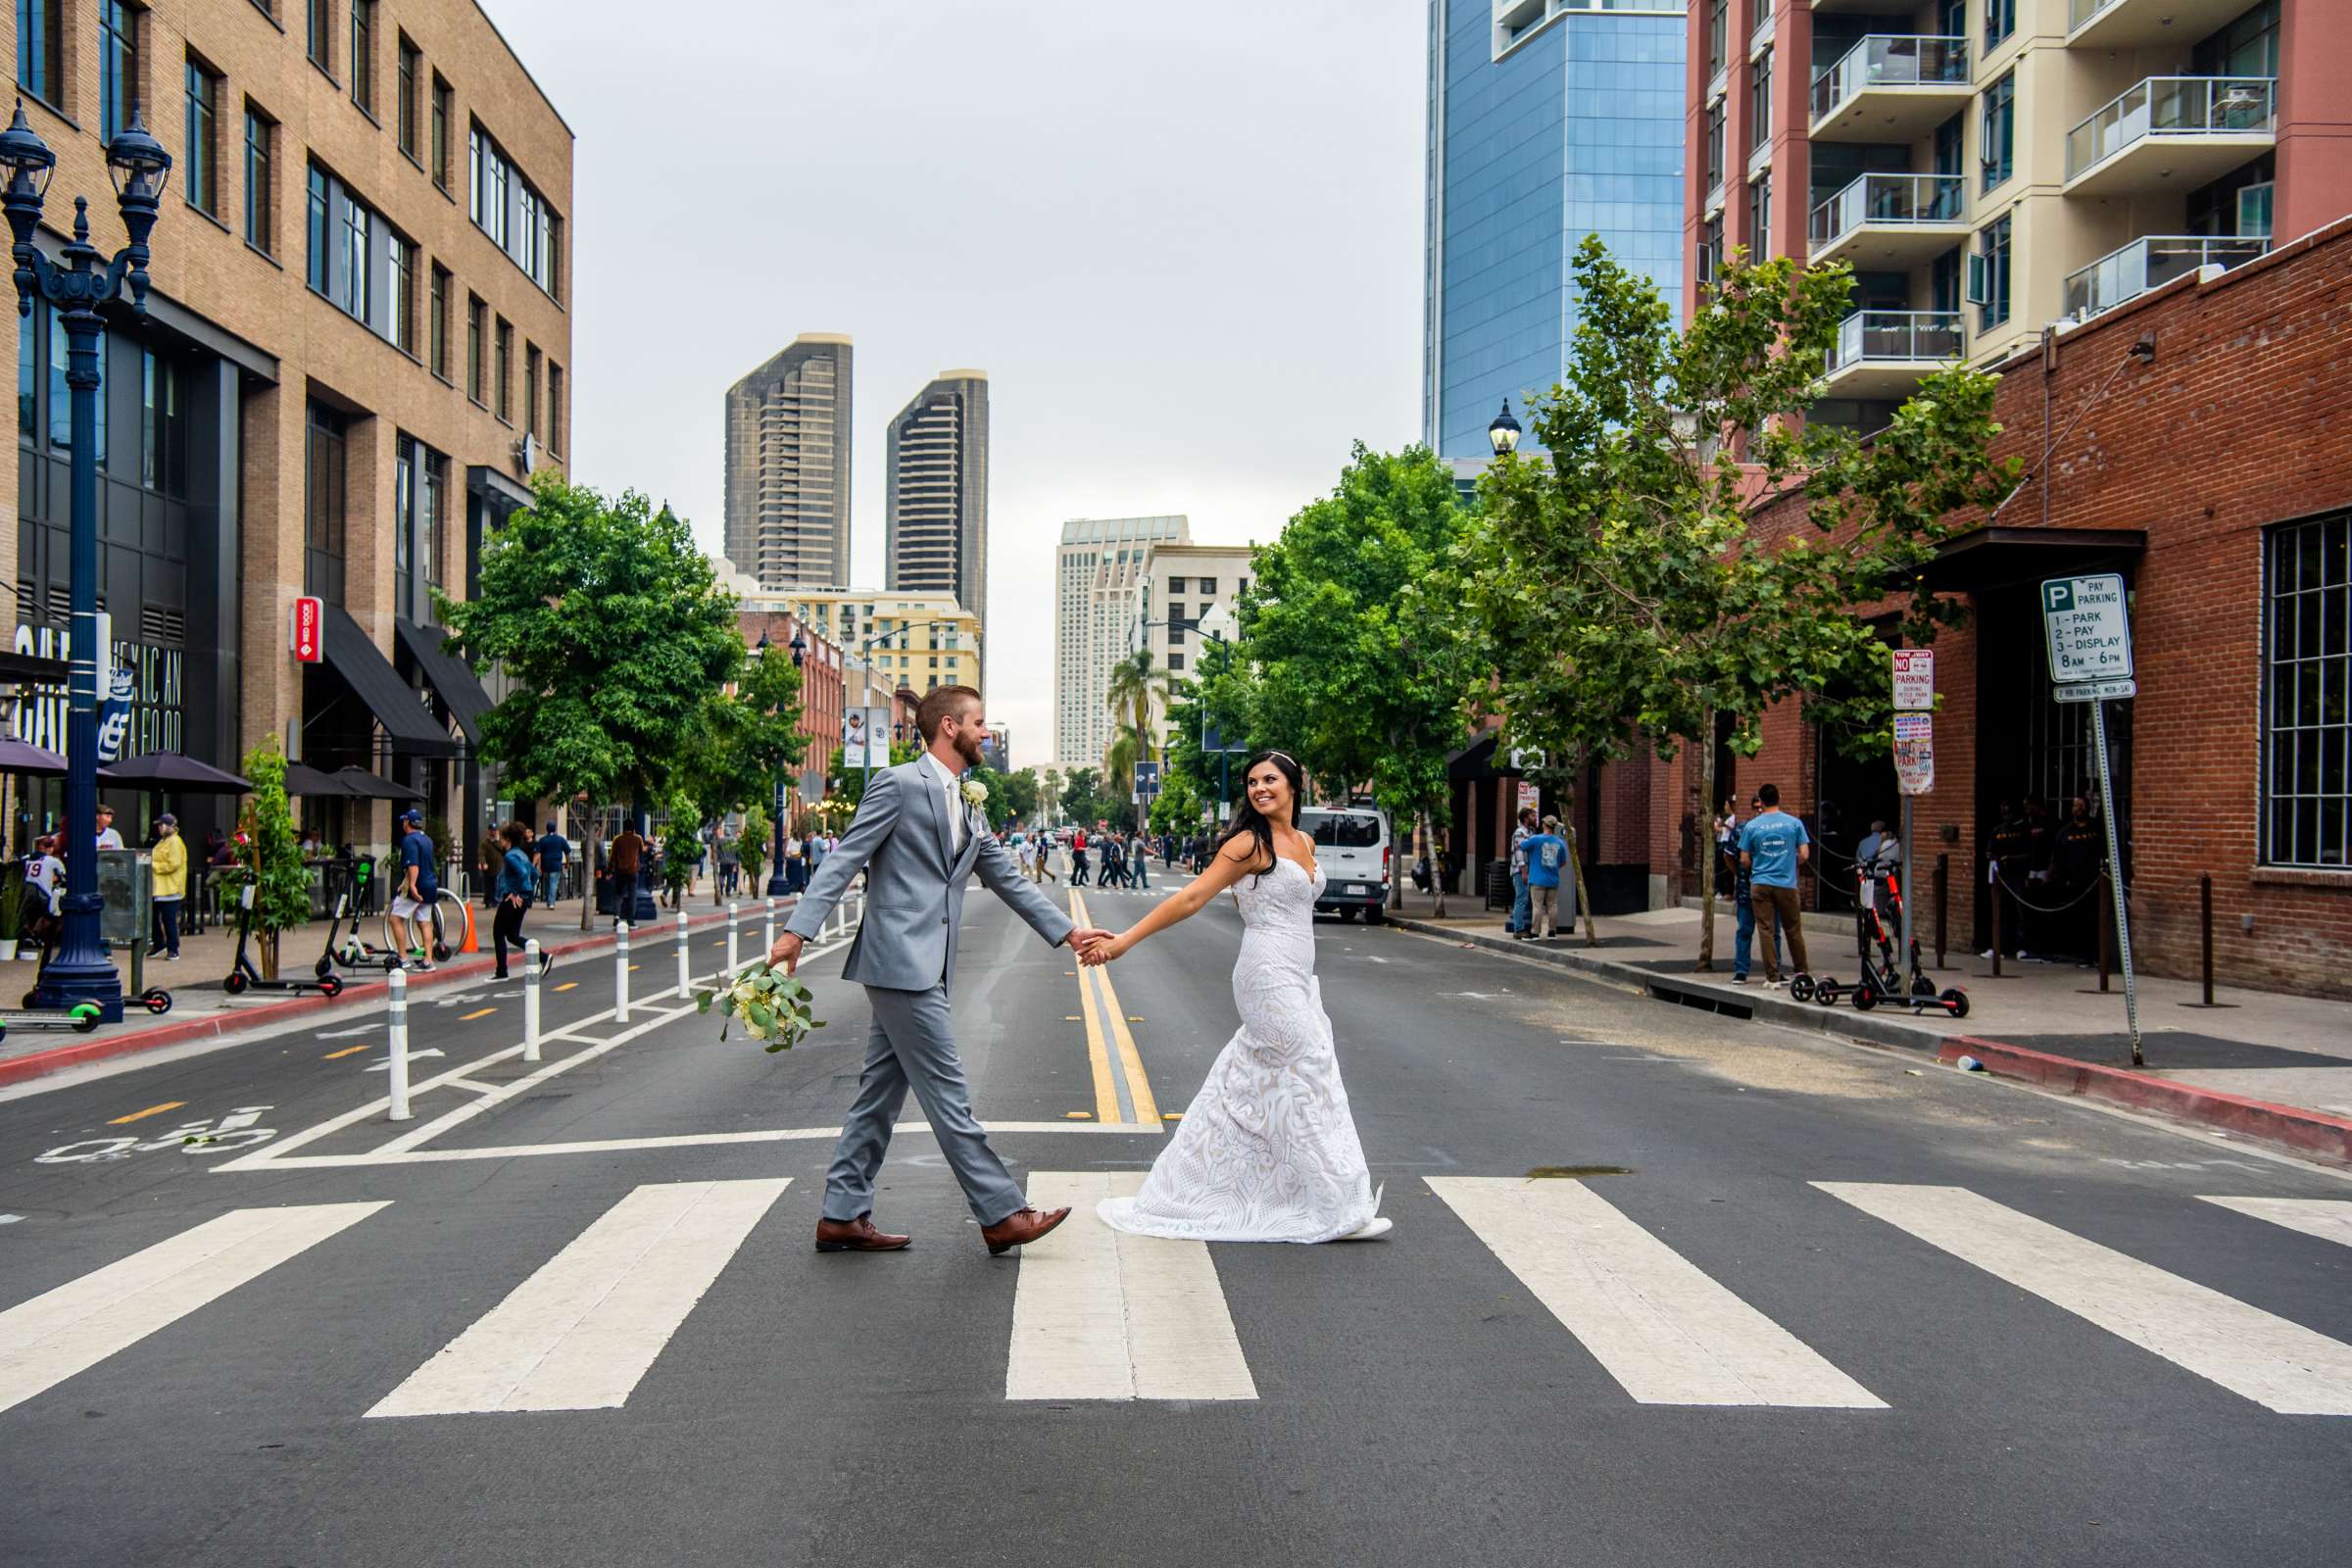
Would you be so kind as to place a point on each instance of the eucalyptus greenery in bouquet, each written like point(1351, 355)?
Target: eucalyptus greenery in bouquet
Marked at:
point(772, 1005)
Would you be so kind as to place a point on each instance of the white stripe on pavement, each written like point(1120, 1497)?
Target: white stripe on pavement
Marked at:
point(72, 1328)
point(580, 1333)
point(1664, 1330)
point(2328, 1218)
point(2278, 1365)
point(1098, 1314)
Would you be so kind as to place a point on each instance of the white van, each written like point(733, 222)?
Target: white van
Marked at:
point(1352, 846)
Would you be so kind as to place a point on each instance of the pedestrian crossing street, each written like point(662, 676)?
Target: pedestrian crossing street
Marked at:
point(1101, 1316)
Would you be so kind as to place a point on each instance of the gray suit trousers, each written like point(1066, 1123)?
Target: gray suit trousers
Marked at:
point(912, 1044)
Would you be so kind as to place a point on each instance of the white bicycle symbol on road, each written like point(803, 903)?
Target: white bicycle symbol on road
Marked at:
point(237, 1130)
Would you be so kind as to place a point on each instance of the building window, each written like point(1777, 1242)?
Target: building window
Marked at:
point(260, 216)
point(1759, 102)
point(1710, 248)
point(163, 430)
point(555, 406)
point(327, 500)
point(1715, 124)
point(354, 280)
point(2307, 768)
point(403, 526)
point(531, 388)
point(1759, 217)
point(1719, 33)
point(502, 368)
point(321, 34)
point(2000, 20)
point(403, 295)
point(118, 67)
point(475, 309)
point(440, 132)
point(1175, 585)
point(405, 111)
point(1989, 276)
point(437, 322)
point(202, 179)
point(41, 49)
point(1206, 587)
point(363, 56)
point(317, 229)
point(2000, 130)
point(1175, 661)
point(431, 551)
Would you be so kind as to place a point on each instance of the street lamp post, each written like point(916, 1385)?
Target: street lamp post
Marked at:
point(1504, 433)
point(881, 638)
point(776, 883)
point(79, 971)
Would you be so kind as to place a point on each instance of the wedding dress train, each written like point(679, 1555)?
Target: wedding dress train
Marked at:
point(1267, 1151)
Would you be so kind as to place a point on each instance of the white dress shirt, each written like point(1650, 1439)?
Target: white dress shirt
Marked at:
point(953, 789)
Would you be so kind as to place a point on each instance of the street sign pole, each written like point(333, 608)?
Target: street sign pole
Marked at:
point(2115, 879)
point(1908, 889)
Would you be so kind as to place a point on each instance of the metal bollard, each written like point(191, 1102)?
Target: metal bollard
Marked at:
point(620, 973)
point(685, 990)
point(530, 1000)
point(1942, 892)
point(734, 914)
point(2205, 934)
point(769, 932)
point(396, 1008)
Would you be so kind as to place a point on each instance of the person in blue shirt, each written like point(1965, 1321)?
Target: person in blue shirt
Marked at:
point(1772, 846)
point(1547, 858)
point(413, 895)
point(552, 848)
point(515, 879)
point(1743, 908)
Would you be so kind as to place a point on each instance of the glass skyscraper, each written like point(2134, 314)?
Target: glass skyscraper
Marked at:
point(1548, 120)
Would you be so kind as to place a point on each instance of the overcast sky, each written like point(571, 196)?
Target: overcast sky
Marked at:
point(1184, 241)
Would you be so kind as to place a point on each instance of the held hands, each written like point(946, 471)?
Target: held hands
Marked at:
point(1094, 946)
point(785, 954)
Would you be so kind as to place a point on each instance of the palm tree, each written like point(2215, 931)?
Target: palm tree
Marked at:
point(1136, 684)
point(1118, 762)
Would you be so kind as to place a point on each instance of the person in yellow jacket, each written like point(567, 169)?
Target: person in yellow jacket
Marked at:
point(169, 864)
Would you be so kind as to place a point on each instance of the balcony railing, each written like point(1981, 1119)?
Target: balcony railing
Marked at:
point(2152, 262)
point(1930, 337)
point(1890, 199)
point(1889, 60)
point(2171, 106)
point(2078, 12)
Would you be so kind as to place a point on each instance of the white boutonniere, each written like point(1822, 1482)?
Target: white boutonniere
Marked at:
point(975, 793)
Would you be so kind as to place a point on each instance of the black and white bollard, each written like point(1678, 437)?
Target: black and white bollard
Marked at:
point(396, 1012)
point(620, 973)
point(734, 914)
point(530, 1000)
point(684, 991)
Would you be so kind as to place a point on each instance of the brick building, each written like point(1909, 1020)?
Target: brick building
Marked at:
point(2216, 477)
point(357, 348)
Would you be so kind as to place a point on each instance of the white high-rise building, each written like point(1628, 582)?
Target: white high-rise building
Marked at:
point(1097, 568)
point(1182, 586)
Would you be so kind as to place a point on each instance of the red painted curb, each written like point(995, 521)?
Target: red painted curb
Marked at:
point(101, 1046)
point(2306, 1132)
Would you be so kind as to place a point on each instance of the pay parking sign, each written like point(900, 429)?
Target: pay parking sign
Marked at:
point(2088, 626)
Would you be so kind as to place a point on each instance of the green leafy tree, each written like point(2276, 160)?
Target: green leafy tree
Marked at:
point(1020, 795)
point(611, 634)
point(1136, 685)
point(758, 829)
point(1365, 668)
point(1082, 799)
point(1220, 705)
point(1118, 774)
point(681, 846)
point(270, 856)
point(849, 785)
point(1048, 795)
point(744, 739)
point(1615, 582)
point(1176, 808)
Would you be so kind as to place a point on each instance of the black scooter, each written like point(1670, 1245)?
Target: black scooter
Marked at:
point(1883, 980)
point(350, 949)
point(243, 976)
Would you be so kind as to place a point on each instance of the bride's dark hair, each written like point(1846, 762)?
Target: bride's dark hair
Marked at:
point(1246, 818)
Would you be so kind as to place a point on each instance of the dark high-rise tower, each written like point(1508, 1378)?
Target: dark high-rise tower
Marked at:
point(788, 465)
point(937, 503)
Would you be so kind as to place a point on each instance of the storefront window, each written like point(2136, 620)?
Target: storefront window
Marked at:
point(2307, 760)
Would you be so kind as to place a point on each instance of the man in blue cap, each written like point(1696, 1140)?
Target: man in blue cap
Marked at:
point(414, 894)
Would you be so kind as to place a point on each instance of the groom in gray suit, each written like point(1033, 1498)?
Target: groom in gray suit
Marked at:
point(919, 839)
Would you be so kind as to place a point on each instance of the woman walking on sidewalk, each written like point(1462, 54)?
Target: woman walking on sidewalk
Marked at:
point(170, 865)
point(514, 883)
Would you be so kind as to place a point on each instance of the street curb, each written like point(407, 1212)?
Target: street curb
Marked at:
point(100, 1047)
point(2310, 1133)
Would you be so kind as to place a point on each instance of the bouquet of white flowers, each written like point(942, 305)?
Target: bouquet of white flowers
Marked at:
point(772, 1005)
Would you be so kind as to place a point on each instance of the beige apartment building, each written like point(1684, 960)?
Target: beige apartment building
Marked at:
point(917, 640)
point(356, 349)
point(1183, 593)
point(1991, 166)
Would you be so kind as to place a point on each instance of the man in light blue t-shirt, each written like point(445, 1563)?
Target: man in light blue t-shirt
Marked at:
point(1772, 846)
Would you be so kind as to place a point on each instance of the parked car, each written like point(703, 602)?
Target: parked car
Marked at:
point(1352, 846)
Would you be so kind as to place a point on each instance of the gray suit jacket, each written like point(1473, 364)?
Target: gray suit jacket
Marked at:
point(915, 892)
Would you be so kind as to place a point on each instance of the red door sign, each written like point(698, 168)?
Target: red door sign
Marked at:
point(310, 629)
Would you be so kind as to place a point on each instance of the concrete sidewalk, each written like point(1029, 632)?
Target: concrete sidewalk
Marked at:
point(2050, 1022)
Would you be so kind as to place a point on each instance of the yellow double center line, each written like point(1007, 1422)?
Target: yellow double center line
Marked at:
point(1110, 1046)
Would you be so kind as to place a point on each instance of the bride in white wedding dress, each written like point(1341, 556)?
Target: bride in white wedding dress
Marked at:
point(1267, 1151)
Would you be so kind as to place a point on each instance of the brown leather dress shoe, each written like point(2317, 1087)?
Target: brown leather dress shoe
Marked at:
point(856, 1236)
point(1021, 1228)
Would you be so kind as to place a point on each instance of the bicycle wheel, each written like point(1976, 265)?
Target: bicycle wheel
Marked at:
point(449, 924)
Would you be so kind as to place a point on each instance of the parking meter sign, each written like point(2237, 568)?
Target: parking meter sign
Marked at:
point(2088, 626)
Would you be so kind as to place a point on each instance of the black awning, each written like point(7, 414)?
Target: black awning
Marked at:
point(1984, 559)
point(1477, 759)
point(396, 704)
point(453, 680)
point(35, 668)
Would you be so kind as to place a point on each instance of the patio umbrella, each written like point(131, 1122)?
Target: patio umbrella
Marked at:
point(22, 756)
point(359, 784)
point(169, 770)
point(304, 779)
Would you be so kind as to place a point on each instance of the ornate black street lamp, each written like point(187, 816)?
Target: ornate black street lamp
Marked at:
point(79, 971)
point(1504, 433)
point(777, 885)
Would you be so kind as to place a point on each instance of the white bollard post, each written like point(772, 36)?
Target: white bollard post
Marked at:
point(770, 931)
point(620, 973)
point(734, 914)
point(397, 1012)
point(685, 993)
point(530, 1000)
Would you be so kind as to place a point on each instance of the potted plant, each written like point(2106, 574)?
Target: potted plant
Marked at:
point(12, 908)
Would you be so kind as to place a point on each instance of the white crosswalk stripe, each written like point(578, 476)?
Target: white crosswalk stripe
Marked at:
point(72, 1328)
point(2279, 1365)
point(580, 1333)
point(2328, 1218)
point(1098, 1314)
point(1662, 1327)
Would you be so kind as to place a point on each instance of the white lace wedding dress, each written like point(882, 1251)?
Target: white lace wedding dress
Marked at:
point(1267, 1151)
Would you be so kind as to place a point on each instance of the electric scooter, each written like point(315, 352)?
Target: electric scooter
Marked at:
point(1883, 980)
point(347, 948)
point(243, 976)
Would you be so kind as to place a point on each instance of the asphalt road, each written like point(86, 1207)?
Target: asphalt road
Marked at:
point(576, 1321)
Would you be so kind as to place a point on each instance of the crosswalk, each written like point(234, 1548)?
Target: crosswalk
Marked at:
point(1100, 1316)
